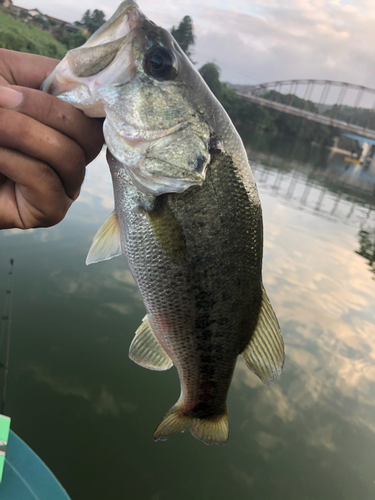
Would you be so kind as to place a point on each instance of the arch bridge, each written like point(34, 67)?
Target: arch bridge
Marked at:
point(345, 106)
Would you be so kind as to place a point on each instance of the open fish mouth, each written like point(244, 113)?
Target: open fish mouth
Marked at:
point(84, 71)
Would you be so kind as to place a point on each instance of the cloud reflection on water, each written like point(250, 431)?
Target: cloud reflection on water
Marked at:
point(324, 298)
point(102, 400)
point(75, 324)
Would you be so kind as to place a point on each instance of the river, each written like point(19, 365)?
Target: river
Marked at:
point(89, 412)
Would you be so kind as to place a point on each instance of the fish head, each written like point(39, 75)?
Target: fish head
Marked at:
point(133, 73)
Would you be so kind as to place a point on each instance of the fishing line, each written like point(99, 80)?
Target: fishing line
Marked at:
point(6, 327)
point(5, 311)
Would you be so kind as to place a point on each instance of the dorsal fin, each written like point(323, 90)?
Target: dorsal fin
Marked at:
point(106, 243)
point(264, 354)
point(146, 351)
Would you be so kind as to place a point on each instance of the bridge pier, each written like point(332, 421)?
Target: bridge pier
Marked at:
point(367, 154)
point(372, 163)
point(367, 146)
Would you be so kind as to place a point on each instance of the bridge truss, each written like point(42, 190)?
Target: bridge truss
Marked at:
point(345, 106)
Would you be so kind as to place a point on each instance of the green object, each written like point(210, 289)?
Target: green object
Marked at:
point(4, 435)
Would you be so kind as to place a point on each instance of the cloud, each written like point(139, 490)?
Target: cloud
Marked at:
point(267, 441)
point(322, 436)
point(107, 404)
point(310, 39)
point(323, 296)
point(266, 40)
point(103, 402)
point(121, 308)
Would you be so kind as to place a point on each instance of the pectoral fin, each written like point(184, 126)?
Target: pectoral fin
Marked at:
point(146, 351)
point(264, 354)
point(106, 243)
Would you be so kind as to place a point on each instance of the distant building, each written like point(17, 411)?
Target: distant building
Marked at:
point(20, 11)
point(35, 12)
point(59, 22)
point(28, 14)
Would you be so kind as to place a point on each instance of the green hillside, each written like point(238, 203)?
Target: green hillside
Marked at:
point(17, 35)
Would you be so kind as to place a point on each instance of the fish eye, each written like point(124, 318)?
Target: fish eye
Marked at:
point(161, 64)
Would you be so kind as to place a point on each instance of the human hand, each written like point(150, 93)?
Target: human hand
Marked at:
point(45, 145)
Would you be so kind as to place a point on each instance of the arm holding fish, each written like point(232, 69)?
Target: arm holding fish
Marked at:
point(45, 145)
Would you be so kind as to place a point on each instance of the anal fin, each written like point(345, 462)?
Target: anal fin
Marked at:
point(264, 354)
point(146, 351)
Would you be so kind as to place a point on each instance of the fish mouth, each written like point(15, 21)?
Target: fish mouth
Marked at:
point(85, 70)
point(93, 78)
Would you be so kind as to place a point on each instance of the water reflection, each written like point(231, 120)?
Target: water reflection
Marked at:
point(367, 247)
point(325, 185)
point(102, 400)
point(320, 288)
point(73, 326)
point(331, 192)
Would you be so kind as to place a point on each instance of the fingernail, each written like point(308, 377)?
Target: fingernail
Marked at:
point(10, 98)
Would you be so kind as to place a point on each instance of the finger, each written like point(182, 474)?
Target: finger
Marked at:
point(32, 194)
point(27, 70)
point(57, 114)
point(32, 138)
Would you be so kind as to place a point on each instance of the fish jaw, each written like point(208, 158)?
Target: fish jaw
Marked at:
point(86, 70)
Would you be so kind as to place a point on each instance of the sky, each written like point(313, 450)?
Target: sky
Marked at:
point(257, 41)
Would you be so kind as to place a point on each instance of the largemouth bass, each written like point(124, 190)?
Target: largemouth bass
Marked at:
point(187, 216)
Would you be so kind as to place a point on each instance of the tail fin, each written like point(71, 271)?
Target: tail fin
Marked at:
point(173, 422)
point(213, 430)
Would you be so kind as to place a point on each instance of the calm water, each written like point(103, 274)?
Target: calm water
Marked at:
point(89, 412)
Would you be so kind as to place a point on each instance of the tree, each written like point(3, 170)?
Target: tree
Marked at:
point(367, 247)
point(72, 40)
point(39, 20)
point(184, 34)
point(211, 75)
point(24, 15)
point(92, 21)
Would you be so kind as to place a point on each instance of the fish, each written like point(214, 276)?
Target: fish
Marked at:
point(187, 216)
